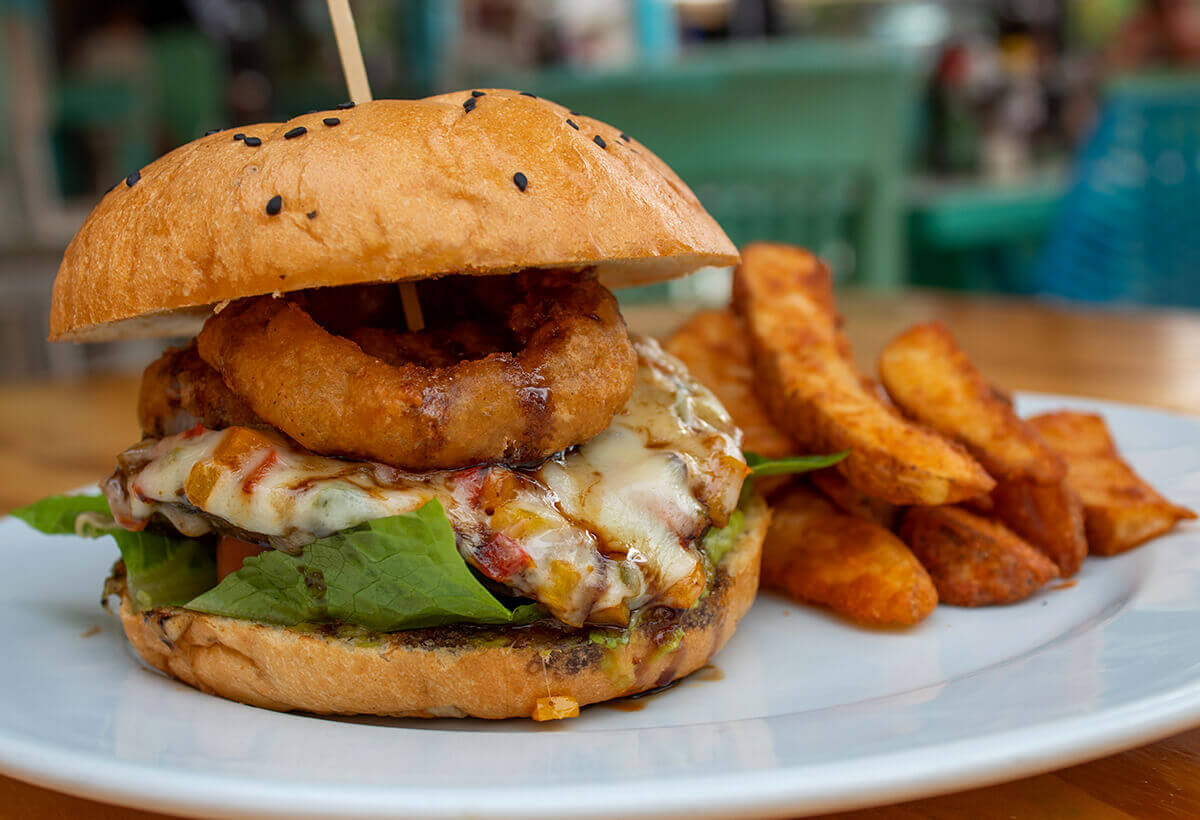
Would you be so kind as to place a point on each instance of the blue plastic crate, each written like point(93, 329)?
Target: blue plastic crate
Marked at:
point(1129, 227)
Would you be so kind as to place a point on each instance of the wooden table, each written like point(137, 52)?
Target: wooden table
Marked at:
point(57, 436)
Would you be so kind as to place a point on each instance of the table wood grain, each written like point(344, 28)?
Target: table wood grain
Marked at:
point(57, 436)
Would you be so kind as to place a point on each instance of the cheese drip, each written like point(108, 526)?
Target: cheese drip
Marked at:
point(592, 534)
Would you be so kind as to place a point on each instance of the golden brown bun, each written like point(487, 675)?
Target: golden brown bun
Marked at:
point(399, 190)
point(446, 672)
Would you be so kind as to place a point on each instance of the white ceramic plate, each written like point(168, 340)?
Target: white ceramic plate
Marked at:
point(811, 714)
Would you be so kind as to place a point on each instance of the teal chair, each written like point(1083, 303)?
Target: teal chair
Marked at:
point(191, 76)
point(10, 206)
point(803, 143)
point(181, 97)
point(112, 103)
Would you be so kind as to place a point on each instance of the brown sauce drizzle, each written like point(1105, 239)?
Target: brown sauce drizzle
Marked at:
point(707, 673)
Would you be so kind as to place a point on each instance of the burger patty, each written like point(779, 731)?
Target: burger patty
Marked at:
point(592, 533)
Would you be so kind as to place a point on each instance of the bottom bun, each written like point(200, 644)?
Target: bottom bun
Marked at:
point(454, 671)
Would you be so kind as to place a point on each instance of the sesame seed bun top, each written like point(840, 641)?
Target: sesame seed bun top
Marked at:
point(391, 190)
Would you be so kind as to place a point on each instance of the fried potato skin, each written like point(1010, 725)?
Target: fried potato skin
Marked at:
point(713, 345)
point(853, 501)
point(931, 380)
point(1120, 510)
point(858, 569)
point(813, 393)
point(974, 561)
point(1048, 516)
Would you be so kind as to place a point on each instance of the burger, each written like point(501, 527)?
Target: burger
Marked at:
point(410, 461)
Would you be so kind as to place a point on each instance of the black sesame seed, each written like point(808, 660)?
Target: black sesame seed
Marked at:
point(274, 205)
point(469, 104)
point(344, 106)
point(253, 142)
point(625, 137)
point(527, 94)
point(599, 140)
point(478, 93)
point(132, 179)
point(572, 124)
point(577, 113)
point(331, 121)
point(520, 181)
point(212, 131)
point(311, 214)
point(238, 136)
point(298, 131)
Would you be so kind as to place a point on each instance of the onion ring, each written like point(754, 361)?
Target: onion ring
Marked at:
point(572, 369)
point(179, 389)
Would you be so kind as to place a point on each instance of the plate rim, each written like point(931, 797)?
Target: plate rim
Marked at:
point(797, 789)
point(1062, 743)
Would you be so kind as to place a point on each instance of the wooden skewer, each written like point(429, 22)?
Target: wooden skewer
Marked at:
point(350, 51)
point(413, 316)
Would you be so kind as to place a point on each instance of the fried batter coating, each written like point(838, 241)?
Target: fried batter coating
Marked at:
point(572, 368)
point(180, 390)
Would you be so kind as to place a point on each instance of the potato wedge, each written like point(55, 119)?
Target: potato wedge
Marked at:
point(974, 561)
point(713, 345)
point(815, 394)
point(932, 381)
point(858, 569)
point(1120, 510)
point(853, 501)
point(1048, 516)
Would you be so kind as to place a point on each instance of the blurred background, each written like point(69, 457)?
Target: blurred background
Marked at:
point(1047, 148)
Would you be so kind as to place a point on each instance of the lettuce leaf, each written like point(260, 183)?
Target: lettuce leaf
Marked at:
point(761, 467)
point(56, 515)
point(402, 572)
point(161, 569)
point(165, 570)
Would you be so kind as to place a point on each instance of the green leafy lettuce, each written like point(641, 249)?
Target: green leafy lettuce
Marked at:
point(161, 569)
point(718, 542)
point(57, 514)
point(761, 467)
point(402, 572)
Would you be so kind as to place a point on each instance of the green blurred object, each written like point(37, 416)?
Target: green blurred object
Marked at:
point(1093, 23)
point(190, 79)
point(6, 148)
point(177, 100)
point(978, 235)
point(100, 102)
point(799, 142)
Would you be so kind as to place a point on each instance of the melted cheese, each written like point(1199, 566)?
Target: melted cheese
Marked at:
point(592, 534)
